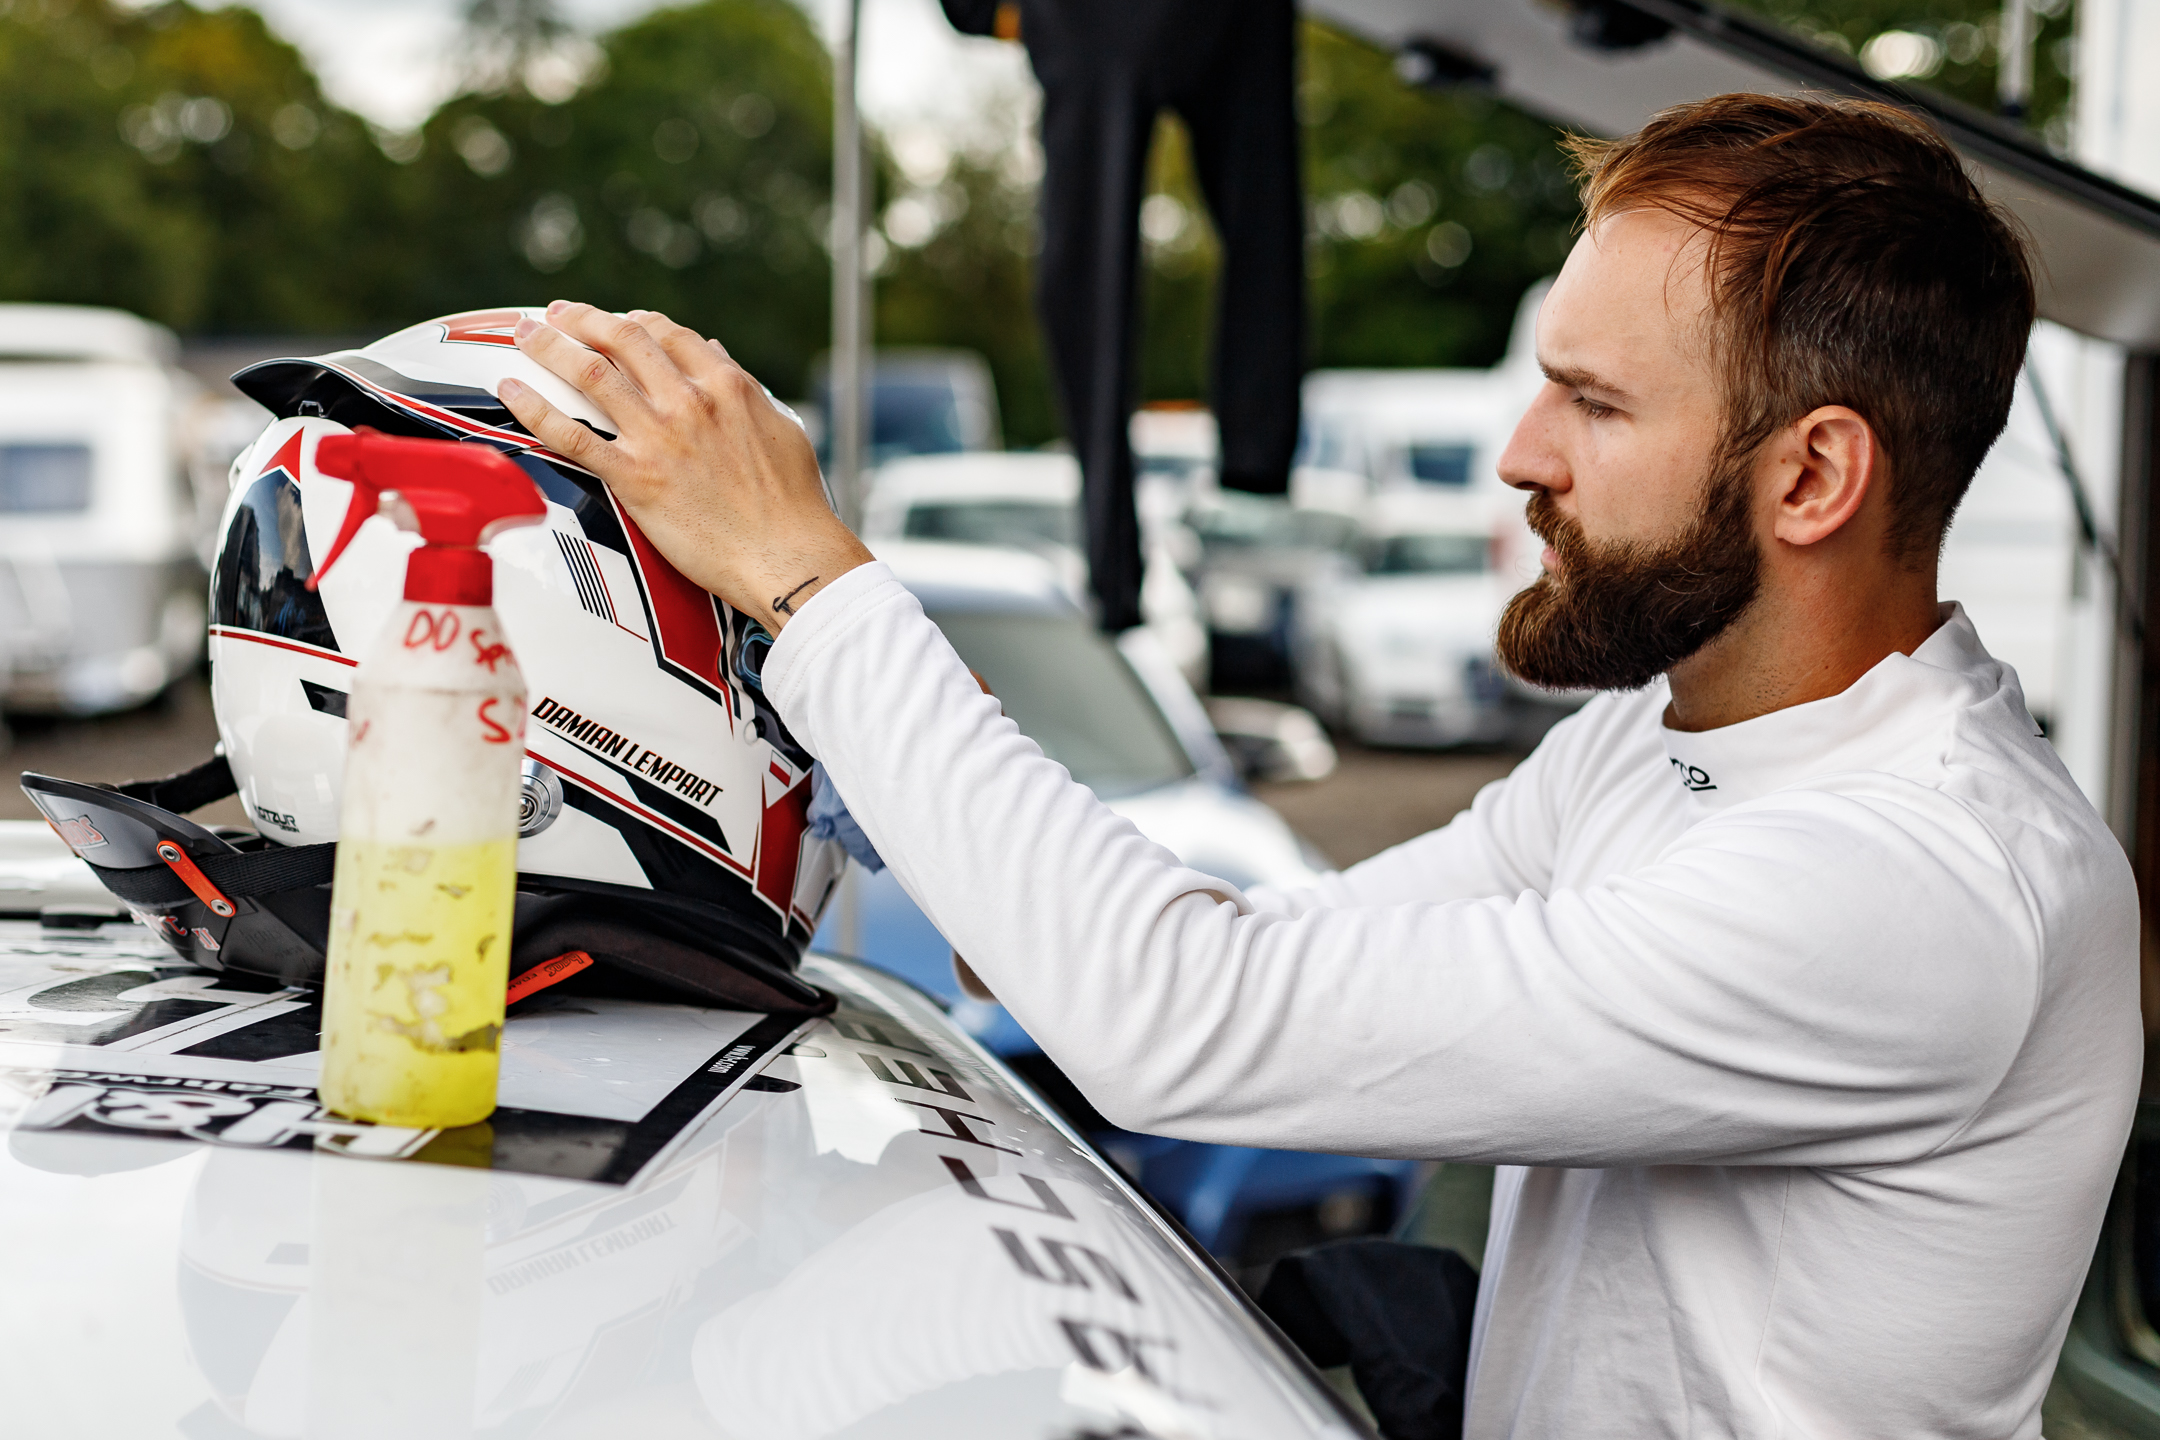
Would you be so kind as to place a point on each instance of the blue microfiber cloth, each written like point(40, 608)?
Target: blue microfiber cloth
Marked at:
point(830, 820)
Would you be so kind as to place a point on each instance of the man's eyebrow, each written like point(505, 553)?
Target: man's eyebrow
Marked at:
point(1577, 379)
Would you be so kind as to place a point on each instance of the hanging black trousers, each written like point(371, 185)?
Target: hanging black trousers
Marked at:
point(1227, 68)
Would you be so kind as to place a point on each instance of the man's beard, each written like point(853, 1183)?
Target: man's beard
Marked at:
point(1615, 617)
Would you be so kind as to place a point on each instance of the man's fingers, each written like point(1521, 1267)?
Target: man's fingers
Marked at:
point(688, 349)
point(568, 438)
point(592, 373)
point(626, 342)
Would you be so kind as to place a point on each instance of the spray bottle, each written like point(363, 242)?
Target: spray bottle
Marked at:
point(426, 875)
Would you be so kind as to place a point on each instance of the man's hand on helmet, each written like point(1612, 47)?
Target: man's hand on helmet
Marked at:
point(724, 484)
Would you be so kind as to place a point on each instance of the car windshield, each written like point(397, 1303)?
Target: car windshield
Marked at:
point(1431, 554)
point(1069, 691)
point(914, 418)
point(1432, 464)
point(44, 479)
point(1239, 520)
point(1027, 524)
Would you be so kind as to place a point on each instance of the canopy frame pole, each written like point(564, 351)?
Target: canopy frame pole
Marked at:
point(850, 299)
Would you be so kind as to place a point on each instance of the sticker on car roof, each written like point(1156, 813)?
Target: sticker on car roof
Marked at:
point(103, 1033)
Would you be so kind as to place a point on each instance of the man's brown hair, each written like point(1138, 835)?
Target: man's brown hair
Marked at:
point(1852, 262)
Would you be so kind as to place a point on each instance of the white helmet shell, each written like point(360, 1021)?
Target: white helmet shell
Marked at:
point(654, 763)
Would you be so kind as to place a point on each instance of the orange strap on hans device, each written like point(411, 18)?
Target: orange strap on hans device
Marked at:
point(546, 973)
point(192, 877)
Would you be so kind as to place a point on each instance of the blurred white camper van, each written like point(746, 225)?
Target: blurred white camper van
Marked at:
point(101, 588)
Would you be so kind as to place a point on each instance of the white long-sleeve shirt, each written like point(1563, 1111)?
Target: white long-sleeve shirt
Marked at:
point(1809, 1044)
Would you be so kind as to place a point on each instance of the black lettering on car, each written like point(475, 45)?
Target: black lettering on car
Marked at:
point(869, 1033)
point(1060, 1254)
point(1046, 1199)
point(1109, 1349)
point(956, 1127)
point(939, 1082)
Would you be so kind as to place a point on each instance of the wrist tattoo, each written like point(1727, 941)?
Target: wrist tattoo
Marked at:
point(785, 604)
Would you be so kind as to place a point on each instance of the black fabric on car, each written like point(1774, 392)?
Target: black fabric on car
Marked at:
point(1398, 1315)
point(188, 790)
point(663, 968)
point(244, 873)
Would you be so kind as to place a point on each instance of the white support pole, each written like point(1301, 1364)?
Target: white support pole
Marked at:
point(849, 298)
point(2014, 65)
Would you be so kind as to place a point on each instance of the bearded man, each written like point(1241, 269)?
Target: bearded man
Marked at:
point(1792, 981)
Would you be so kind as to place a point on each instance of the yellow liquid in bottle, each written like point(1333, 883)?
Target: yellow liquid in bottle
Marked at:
point(413, 1001)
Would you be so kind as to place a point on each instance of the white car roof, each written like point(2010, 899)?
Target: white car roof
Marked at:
point(83, 332)
point(683, 1221)
point(974, 577)
point(979, 475)
point(1188, 432)
point(1438, 512)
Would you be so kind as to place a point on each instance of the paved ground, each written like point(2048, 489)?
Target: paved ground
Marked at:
point(162, 739)
point(1378, 798)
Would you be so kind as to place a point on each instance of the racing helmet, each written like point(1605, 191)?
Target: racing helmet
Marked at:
point(664, 830)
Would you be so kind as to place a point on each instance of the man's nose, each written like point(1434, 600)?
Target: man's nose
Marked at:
point(1532, 459)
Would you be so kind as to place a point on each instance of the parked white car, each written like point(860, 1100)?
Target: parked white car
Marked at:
point(682, 1221)
point(101, 583)
point(1394, 642)
point(1029, 500)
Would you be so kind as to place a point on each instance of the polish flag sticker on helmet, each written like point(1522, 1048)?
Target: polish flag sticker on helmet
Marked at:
point(482, 327)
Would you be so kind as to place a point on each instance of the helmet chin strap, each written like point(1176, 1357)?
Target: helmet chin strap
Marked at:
point(186, 791)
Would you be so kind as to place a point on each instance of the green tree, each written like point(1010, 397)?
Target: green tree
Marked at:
point(183, 165)
point(691, 176)
point(1430, 212)
point(967, 281)
point(1962, 52)
point(1386, 167)
point(504, 39)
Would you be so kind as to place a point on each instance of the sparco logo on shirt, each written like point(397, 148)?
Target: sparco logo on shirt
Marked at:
point(1694, 777)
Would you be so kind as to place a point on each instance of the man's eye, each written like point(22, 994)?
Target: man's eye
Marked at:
point(1592, 408)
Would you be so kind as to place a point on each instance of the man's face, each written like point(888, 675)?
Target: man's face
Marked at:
point(1650, 545)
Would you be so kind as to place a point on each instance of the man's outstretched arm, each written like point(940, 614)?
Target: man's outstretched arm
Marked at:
point(1753, 995)
point(1750, 996)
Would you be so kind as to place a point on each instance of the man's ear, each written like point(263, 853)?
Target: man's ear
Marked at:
point(1827, 462)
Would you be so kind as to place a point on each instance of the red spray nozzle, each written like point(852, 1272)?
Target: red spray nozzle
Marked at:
point(452, 493)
